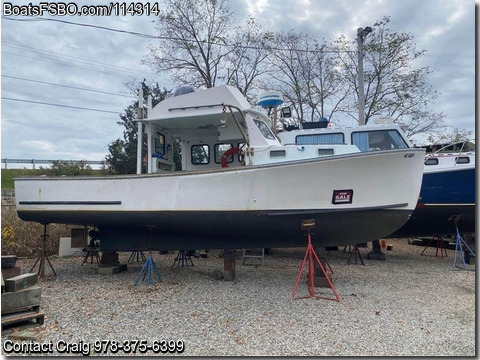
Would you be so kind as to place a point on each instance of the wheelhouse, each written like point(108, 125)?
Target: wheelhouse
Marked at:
point(365, 138)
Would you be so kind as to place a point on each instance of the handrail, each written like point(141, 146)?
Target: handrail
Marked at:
point(463, 142)
point(7, 161)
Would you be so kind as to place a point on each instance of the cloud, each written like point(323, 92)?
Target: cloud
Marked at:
point(38, 146)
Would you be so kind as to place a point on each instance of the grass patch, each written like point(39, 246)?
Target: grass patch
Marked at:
point(9, 174)
point(65, 169)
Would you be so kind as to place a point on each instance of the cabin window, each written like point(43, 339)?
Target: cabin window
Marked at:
point(264, 129)
point(160, 143)
point(219, 150)
point(277, 153)
point(325, 152)
point(200, 154)
point(431, 161)
point(315, 139)
point(378, 140)
point(462, 160)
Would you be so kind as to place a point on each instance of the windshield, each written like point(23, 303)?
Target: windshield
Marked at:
point(264, 129)
point(378, 140)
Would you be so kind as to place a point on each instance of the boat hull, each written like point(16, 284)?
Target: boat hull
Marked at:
point(448, 187)
point(216, 230)
point(445, 196)
point(353, 198)
point(438, 220)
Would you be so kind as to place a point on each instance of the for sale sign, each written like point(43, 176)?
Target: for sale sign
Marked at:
point(342, 197)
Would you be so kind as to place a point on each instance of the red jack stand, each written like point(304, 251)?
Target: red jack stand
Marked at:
point(440, 246)
point(311, 254)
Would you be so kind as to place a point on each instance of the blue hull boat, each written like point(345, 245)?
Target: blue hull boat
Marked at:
point(447, 197)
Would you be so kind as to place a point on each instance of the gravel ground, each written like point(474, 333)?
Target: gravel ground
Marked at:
point(408, 305)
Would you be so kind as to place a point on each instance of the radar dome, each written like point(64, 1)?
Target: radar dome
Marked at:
point(270, 99)
point(182, 90)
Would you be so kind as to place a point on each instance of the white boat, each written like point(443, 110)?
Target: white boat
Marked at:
point(448, 186)
point(223, 199)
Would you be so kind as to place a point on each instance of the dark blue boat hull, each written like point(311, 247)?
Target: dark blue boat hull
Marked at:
point(448, 188)
point(444, 197)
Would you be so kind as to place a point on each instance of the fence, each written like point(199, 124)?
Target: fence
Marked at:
point(36, 161)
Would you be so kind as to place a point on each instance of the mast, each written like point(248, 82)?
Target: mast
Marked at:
point(139, 130)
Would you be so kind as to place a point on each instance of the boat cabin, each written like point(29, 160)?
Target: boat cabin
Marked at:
point(217, 128)
point(381, 134)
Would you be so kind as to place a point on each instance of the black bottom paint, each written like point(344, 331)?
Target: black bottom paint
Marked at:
point(436, 220)
point(122, 231)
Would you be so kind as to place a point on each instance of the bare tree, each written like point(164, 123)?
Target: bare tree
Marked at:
point(303, 70)
point(392, 86)
point(192, 41)
point(325, 93)
point(247, 62)
point(290, 53)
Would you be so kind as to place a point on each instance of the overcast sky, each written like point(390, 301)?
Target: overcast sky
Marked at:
point(38, 52)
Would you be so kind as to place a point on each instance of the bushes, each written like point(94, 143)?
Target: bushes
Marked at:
point(22, 238)
point(60, 167)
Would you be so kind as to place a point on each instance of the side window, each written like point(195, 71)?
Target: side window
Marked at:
point(431, 161)
point(160, 143)
point(336, 138)
point(325, 152)
point(378, 140)
point(200, 154)
point(264, 129)
point(219, 150)
point(462, 160)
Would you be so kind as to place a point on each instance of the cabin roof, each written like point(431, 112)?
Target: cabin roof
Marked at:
point(199, 109)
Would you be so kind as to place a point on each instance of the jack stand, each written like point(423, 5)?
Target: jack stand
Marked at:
point(139, 254)
point(92, 253)
point(148, 270)
point(42, 255)
point(355, 252)
point(460, 243)
point(311, 255)
point(182, 259)
point(440, 246)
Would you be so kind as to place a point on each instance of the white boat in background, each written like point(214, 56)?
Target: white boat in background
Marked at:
point(239, 186)
point(379, 134)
